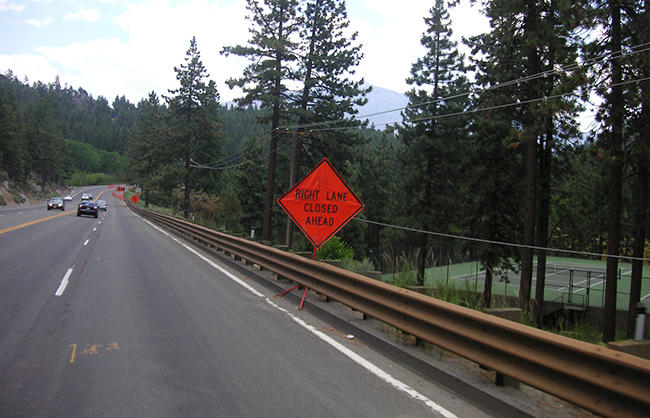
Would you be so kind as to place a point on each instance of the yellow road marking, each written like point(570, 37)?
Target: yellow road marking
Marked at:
point(13, 228)
point(74, 352)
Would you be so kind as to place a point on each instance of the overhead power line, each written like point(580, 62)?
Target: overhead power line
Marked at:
point(505, 244)
point(226, 162)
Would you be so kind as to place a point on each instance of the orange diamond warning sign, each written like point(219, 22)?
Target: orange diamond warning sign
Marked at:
point(321, 203)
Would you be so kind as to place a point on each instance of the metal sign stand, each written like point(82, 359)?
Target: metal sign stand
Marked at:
point(320, 205)
point(304, 295)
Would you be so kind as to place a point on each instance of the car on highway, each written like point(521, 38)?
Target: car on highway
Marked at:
point(67, 198)
point(88, 207)
point(86, 196)
point(55, 203)
point(101, 204)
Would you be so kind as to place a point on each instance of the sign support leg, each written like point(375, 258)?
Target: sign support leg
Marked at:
point(287, 291)
point(304, 295)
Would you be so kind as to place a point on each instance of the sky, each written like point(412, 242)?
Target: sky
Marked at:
point(129, 48)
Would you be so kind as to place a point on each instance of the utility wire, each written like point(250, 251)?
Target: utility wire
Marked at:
point(225, 164)
point(540, 99)
point(525, 79)
point(506, 244)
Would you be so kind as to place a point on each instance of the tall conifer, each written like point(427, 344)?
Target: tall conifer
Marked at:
point(433, 142)
point(193, 108)
point(271, 50)
point(327, 60)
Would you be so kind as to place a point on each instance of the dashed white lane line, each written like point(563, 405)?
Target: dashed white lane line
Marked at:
point(64, 283)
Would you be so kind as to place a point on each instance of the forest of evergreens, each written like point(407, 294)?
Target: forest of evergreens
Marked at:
point(490, 146)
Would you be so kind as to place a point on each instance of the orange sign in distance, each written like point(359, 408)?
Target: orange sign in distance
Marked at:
point(321, 203)
point(135, 199)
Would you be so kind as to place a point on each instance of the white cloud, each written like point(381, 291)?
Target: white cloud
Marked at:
point(13, 7)
point(158, 35)
point(40, 22)
point(36, 67)
point(392, 45)
point(90, 15)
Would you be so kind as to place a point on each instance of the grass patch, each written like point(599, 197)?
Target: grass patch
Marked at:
point(357, 266)
point(464, 296)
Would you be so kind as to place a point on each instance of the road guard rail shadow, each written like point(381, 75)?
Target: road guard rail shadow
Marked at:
point(601, 380)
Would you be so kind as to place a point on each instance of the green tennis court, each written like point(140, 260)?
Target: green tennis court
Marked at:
point(568, 280)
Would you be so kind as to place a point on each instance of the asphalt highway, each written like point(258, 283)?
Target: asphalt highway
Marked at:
point(115, 317)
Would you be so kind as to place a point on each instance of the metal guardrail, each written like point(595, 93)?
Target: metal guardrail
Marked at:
point(604, 381)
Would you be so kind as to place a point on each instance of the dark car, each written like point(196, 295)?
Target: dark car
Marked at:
point(101, 204)
point(56, 203)
point(88, 207)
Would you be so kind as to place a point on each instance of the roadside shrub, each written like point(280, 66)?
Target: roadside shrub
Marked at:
point(335, 249)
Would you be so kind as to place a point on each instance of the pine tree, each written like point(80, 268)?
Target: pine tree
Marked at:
point(146, 146)
point(495, 189)
point(530, 40)
point(271, 51)
point(194, 115)
point(434, 153)
point(611, 76)
point(327, 59)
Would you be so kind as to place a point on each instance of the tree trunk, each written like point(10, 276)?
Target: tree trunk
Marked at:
point(641, 209)
point(486, 298)
point(296, 143)
point(615, 180)
point(188, 159)
point(293, 179)
point(546, 155)
point(422, 256)
point(531, 137)
point(642, 192)
point(273, 151)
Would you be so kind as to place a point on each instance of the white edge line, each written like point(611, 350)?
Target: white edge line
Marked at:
point(344, 350)
point(64, 283)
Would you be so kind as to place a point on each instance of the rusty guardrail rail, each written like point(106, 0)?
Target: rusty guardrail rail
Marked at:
point(604, 381)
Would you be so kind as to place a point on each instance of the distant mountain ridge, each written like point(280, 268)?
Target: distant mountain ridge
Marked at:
point(384, 105)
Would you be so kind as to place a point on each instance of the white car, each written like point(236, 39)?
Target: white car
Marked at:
point(67, 198)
